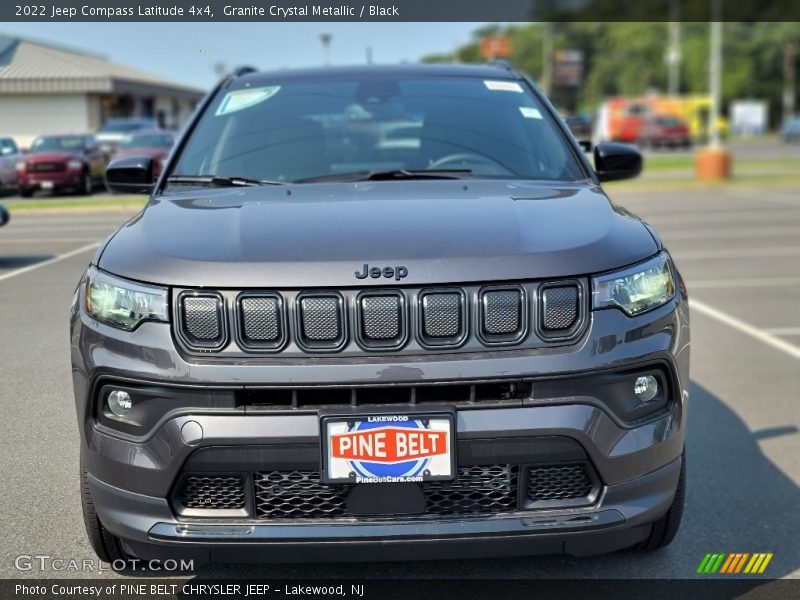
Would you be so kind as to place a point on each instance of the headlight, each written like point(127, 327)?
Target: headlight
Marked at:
point(75, 165)
point(122, 303)
point(636, 289)
point(20, 166)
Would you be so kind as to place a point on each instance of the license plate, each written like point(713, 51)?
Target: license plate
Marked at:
point(387, 448)
point(46, 185)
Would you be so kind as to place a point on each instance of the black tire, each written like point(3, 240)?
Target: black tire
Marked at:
point(25, 192)
point(106, 545)
point(665, 528)
point(87, 185)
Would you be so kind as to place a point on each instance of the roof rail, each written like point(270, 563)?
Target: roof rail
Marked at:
point(243, 70)
point(502, 63)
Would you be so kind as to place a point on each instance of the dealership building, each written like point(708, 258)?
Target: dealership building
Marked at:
point(49, 89)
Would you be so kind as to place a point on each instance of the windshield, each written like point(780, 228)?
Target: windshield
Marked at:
point(303, 129)
point(155, 140)
point(57, 144)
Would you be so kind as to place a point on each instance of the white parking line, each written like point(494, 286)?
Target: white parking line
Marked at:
point(768, 251)
point(739, 325)
point(23, 241)
point(49, 261)
point(750, 232)
point(783, 330)
point(753, 282)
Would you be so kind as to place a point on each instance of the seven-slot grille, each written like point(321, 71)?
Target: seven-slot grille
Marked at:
point(380, 320)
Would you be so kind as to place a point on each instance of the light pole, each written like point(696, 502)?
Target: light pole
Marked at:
point(715, 74)
point(326, 38)
point(674, 58)
point(713, 163)
point(547, 58)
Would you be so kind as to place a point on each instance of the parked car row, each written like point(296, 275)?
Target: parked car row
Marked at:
point(77, 162)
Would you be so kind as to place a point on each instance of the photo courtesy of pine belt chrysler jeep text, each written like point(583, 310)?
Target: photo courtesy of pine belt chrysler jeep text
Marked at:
point(376, 313)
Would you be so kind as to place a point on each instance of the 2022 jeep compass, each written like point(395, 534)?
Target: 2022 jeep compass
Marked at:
point(380, 312)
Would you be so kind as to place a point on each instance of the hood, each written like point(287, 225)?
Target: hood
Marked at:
point(320, 235)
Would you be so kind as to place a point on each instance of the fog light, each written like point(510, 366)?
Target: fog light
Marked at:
point(645, 388)
point(119, 403)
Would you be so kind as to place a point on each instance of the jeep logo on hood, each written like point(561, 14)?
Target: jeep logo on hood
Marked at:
point(375, 272)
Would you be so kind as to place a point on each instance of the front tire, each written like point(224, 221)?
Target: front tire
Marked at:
point(665, 528)
point(26, 192)
point(87, 185)
point(106, 545)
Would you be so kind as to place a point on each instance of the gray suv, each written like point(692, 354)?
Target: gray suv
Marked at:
point(379, 312)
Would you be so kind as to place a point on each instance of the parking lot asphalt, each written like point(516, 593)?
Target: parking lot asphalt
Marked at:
point(739, 251)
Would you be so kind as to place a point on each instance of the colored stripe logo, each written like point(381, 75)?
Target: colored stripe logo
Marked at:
point(736, 562)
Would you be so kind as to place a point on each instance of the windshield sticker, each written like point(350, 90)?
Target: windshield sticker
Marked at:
point(530, 113)
point(241, 99)
point(503, 86)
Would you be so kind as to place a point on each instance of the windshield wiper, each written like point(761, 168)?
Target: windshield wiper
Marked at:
point(390, 175)
point(217, 181)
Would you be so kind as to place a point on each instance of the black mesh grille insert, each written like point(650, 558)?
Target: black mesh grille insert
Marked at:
point(477, 490)
point(202, 319)
point(302, 495)
point(213, 492)
point(261, 319)
point(558, 482)
point(442, 316)
point(297, 495)
point(502, 314)
point(380, 318)
point(321, 320)
point(559, 308)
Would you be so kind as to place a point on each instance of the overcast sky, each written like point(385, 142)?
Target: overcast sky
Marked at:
point(187, 52)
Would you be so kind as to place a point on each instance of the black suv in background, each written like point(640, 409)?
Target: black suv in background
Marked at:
point(379, 312)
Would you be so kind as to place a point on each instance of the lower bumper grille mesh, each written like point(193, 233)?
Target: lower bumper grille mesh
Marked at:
point(297, 495)
point(302, 495)
point(558, 482)
point(476, 490)
point(219, 492)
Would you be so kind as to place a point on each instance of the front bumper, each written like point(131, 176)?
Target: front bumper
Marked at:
point(132, 477)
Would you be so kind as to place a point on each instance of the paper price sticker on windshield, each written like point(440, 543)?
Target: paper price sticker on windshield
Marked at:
point(503, 86)
point(241, 99)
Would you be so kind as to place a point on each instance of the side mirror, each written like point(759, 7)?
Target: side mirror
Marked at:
point(130, 175)
point(614, 161)
point(4, 216)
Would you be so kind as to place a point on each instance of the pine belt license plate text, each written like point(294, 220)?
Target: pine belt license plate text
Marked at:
point(387, 448)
